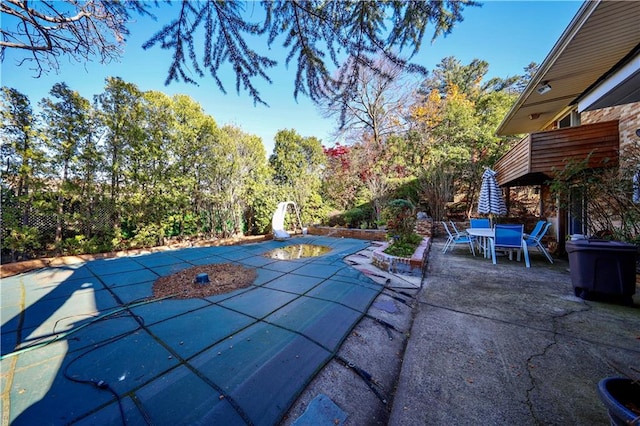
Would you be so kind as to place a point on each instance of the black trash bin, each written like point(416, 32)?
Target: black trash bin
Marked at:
point(601, 267)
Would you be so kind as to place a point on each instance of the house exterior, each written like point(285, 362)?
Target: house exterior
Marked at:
point(583, 103)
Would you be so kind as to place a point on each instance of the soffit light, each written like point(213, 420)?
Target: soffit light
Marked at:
point(544, 88)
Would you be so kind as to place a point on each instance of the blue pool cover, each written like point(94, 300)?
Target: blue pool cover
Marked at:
point(83, 344)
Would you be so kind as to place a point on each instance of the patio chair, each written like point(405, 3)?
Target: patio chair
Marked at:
point(509, 238)
point(536, 241)
point(455, 230)
point(480, 223)
point(452, 240)
point(536, 229)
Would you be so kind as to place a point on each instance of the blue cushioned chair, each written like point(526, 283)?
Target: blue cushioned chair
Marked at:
point(509, 237)
point(480, 223)
point(536, 240)
point(455, 230)
point(536, 229)
point(457, 239)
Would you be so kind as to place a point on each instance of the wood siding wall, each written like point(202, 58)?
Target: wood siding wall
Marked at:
point(515, 163)
point(553, 149)
point(540, 153)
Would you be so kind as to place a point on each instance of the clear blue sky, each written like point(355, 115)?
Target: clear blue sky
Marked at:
point(507, 34)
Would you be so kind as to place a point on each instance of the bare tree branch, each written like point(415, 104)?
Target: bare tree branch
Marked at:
point(319, 36)
point(79, 30)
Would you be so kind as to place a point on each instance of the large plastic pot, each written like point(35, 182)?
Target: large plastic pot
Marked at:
point(602, 267)
point(619, 395)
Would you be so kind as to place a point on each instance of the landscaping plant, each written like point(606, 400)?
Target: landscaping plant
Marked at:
point(612, 207)
point(401, 220)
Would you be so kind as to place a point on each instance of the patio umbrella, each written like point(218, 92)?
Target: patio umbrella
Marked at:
point(491, 201)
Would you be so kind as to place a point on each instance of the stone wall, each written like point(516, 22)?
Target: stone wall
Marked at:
point(628, 117)
point(360, 234)
point(423, 228)
point(415, 265)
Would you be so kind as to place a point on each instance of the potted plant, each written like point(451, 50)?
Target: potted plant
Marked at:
point(621, 396)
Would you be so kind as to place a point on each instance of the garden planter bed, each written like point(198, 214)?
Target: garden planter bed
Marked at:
point(413, 265)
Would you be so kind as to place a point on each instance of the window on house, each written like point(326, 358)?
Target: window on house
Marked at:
point(577, 214)
point(636, 187)
point(570, 120)
point(565, 122)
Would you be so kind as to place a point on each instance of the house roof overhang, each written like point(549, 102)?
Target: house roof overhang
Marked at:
point(596, 61)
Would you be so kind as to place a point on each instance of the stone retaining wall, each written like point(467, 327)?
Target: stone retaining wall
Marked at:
point(423, 228)
point(360, 234)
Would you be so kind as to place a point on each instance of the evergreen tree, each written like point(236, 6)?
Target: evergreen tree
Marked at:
point(66, 117)
point(297, 163)
point(22, 150)
point(118, 111)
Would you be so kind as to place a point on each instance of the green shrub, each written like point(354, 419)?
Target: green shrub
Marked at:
point(22, 240)
point(354, 217)
point(119, 242)
point(73, 245)
point(148, 236)
point(400, 217)
point(81, 245)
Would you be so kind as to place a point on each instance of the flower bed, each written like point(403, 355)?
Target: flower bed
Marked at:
point(413, 265)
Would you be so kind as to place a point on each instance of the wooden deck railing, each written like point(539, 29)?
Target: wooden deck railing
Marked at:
point(535, 158)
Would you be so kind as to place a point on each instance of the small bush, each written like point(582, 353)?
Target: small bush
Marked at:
point(400, 217)
point(22, 240)
point(404, 246)
point(73, 245)
point(81, 245)
point(148, 236)
point(354, 217)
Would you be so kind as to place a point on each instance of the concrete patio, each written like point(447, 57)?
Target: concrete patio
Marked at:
point(505, 344)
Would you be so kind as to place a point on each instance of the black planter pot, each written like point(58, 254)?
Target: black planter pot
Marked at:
point(618, 395)
point(603, 269)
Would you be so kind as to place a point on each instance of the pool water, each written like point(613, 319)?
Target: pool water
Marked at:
point(298, 251)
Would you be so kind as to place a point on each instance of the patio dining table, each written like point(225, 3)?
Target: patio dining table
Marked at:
point(483, 234)
point(486, 234)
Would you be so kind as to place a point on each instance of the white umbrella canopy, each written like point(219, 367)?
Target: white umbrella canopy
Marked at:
point(491, 201)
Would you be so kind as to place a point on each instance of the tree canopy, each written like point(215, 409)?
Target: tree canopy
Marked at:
point(204, 36)
point(132, 168)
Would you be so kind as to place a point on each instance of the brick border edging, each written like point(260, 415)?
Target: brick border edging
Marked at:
point(15, 268)
point(391, 263)
point(423, 227)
